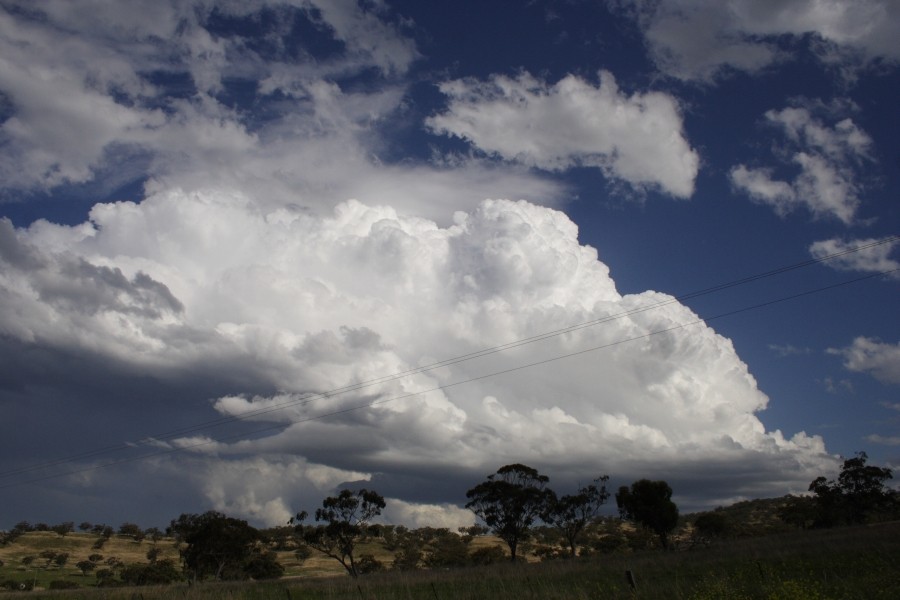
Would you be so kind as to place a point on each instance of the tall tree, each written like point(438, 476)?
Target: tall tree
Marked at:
point(510, 501)
point(858, 493)
point(571, 513)
point(345, 520)
point(650, 504)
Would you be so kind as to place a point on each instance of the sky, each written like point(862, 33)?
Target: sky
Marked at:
point(254, 253)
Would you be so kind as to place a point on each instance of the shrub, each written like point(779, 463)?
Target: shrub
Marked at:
point(264, 566)
point(12, 585)
point(367, 563)
point(487, 555)
point(158, 573)
point(63, 584)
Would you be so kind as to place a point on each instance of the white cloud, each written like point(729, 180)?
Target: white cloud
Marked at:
point(704, 39)
point(219, 286)
point(828, 159)
point(415, 515)
point(636, 139)
point(783, 350)
point(890, 440)
point(870, 355)
point(83, 106)
point(874, 257)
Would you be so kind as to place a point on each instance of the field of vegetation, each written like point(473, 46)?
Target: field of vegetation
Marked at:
point(843, 542)
point(847, 562)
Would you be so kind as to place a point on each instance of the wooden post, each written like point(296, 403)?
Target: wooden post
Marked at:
point(629, 577)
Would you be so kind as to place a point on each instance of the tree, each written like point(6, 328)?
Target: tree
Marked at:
point(215, 545)
point(85, 565)
point(510, 501)
point(63, 529)
point(858, 493)
point(570, 514)
point(650, 504)
point(48, 555)
point(345, 519)
point(448, 550)
point(130, 529)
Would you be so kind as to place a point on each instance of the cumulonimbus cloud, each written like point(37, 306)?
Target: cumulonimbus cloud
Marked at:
point(263, 299)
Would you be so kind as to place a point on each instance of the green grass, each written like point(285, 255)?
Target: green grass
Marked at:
point(847, 563)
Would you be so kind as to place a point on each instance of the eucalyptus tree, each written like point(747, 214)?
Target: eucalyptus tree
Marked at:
point(344, 521)
point(510, 501)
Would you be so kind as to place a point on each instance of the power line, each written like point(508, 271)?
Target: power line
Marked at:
point(444, 387)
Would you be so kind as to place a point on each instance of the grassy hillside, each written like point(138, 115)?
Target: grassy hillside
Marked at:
point(847, 563)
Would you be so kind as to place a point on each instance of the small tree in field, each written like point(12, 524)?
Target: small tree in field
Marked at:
point(510, 501)
point(570, 514)
point(85, 566)
point(345, 519)
point(650, 504)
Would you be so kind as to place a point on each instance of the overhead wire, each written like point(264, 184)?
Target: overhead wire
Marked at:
point(172, 434)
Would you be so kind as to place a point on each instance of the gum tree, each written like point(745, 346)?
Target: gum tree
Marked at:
point(510, 501)
point(650, 504)
point(570, 514)
point(344, 522)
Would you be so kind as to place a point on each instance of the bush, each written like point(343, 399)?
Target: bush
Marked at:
point(158, 573)
point(488, 555)
point(264, 566)
point(12, 585)
point(63, 584)
point(367, 563)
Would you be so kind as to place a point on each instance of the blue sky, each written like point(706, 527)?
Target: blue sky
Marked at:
point(241, 246)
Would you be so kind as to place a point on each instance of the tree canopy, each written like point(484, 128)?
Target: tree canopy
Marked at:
point(345, 519)
point(856, 496)
point(650, 504)
point(571, 513)
point(221, 547)
point(510, 501)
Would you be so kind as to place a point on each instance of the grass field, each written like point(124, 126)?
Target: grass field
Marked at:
point(844, 563)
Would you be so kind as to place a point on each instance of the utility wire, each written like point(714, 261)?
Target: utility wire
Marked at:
point(698, 321)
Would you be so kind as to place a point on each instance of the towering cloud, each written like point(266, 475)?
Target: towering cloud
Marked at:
point(352, 317)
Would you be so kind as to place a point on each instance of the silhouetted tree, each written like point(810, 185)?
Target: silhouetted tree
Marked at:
point(217, 546)
point(345, 520)
point(510, 501)
point(650, 504)
point(570, 514)
point(858, 493)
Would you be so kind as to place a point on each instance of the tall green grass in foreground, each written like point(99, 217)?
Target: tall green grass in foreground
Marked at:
point(846, 563)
